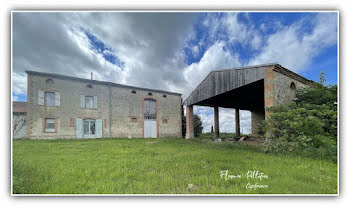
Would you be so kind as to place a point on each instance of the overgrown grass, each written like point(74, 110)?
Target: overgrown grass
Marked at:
point(160, 166)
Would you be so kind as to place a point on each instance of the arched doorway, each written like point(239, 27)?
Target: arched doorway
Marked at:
point(150, 118)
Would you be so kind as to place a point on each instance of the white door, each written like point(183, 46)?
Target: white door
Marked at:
point(150, 127)
point(150, 118)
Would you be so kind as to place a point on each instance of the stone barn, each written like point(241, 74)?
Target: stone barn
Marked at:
point(61, 106)
point(19, 116)
point(248, 88)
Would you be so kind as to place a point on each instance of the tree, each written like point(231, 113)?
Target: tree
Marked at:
point(197, 125)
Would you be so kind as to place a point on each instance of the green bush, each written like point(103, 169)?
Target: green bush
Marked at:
point(306, 126)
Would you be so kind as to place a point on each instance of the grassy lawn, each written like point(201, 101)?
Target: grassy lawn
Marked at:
point(161, 166)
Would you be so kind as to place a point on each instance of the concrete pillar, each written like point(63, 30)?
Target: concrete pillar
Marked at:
point(238, 127)
point(257, 117)
point(216, 122)
point(189, 122)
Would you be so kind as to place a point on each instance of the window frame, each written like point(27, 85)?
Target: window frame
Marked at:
point(49, 130)
point(89, 121)
point(133, 119)
point(92, 97)
point(45, 98)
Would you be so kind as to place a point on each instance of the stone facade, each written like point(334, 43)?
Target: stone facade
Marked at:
point(119, 107)
point(280, 88)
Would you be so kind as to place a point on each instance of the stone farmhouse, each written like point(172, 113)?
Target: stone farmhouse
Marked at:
point(61, 106)
point(253, 88)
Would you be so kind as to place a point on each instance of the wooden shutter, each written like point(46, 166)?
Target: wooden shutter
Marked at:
point(57, 99)
point(79, 130)
point(41, 97)
point(82, 101)
point(98, 126)
point(95, 102)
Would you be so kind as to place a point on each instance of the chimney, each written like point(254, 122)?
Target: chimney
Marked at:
point(91, 76)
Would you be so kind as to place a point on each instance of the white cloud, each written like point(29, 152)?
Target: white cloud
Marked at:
point(15, 98)
point(19, 83)
point(54, 42)
point(256, 42)
point(294, 50)
point(214, 58)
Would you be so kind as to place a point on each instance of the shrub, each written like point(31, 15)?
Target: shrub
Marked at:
point(306, 126)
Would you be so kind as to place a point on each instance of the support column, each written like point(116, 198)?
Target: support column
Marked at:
point(238, 127)
point(189, 122)
point(257, 116)
point(216, 122)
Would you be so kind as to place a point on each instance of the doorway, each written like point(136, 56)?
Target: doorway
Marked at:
point(150, 118)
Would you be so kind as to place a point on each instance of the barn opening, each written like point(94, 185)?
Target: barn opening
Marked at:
point(150, 118)
point(252, 88)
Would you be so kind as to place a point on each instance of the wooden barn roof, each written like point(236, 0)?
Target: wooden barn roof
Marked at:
point(221, 81)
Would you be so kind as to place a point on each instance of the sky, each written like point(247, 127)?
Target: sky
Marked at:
point(172, 51)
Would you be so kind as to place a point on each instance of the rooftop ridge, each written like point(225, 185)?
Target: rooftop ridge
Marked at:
point(97, 81)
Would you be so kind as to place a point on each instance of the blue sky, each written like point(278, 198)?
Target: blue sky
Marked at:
point(172, 51)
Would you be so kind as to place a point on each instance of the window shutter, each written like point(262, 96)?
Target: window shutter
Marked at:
point(98, 128)
point(40, 97)
point(57, 99)
point(79, 128)
point(82, 101)
point(95, 102)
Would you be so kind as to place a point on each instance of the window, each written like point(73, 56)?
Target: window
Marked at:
point(133, 119)
point(89, 126)
point(150, 94)
point(49, 125)
point(133, 91)
point(49, 98)
point(89, 102)
point(164, 96)
point(49, 81)
point(165, 121)
point(293, 86)
point(88, 86)
point(150, 109)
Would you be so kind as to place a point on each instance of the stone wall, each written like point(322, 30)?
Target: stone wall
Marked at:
point(125, 106)
point(283, 93)
point(278, 89)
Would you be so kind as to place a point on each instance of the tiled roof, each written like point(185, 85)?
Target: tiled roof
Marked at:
point(19, 106)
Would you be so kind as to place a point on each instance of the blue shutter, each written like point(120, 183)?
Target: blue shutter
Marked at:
point(79, 130)
point(95, 102)
point(57, 99)
point(82, 101)
point(98, 128)
point(40, 97)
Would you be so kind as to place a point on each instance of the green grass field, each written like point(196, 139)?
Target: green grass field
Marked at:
point(161, 166)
